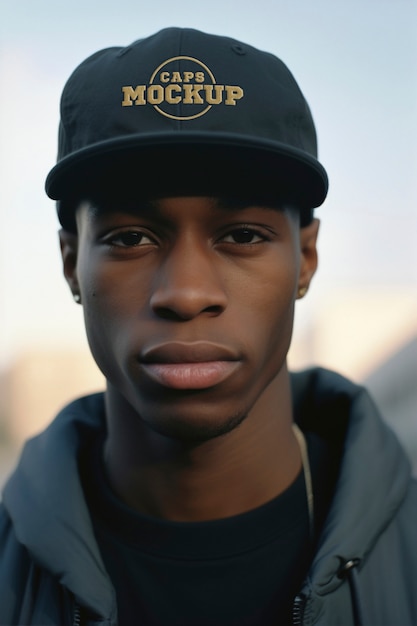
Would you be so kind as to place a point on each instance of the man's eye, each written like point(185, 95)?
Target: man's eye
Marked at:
point(129, 239)
point(243, 235)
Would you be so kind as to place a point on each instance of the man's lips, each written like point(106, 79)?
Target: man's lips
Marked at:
point(198, 365)
point(190, 375)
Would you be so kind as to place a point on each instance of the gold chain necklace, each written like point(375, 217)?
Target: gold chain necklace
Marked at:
point(307, 476)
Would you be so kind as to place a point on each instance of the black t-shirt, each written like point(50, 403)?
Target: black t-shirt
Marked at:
point(238, 571)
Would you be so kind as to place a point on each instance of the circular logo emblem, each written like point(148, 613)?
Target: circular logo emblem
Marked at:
point(182, 88)
point(186, 81)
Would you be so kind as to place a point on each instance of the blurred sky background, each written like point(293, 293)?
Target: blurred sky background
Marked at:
point(356, 62)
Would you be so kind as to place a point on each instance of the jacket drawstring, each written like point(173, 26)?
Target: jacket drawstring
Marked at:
point(349, 571)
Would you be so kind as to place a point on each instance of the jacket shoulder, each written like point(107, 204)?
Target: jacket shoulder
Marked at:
point(28, 594)
point(388, 579)
point(15, 566)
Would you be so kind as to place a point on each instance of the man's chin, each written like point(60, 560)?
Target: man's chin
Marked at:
point(195, 431)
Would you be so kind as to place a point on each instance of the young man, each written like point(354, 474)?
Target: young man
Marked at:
point(207, 486)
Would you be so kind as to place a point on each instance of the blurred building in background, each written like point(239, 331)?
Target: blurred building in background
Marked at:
point(34, 388)
point(393, 385)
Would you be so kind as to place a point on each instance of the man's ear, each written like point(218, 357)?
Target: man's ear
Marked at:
point(309, 258)
point(69, 251)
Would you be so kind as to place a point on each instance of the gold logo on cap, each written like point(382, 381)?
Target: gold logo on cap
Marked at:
point(193, 84)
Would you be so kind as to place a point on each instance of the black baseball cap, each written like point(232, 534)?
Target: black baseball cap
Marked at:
point(183, 111)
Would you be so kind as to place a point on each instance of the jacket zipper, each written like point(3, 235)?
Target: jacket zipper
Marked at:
point(298, 609)
point(77, 616)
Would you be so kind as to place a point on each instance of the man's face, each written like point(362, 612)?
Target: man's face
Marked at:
point(188, 305)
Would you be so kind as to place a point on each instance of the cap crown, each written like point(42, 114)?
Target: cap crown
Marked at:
point(184, 80)
point(185, 93)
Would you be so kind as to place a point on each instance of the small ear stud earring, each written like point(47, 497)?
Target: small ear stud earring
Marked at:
point(302, 292)
point(77, 297)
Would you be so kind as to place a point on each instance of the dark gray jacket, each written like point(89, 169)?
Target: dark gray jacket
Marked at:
point(365, 568)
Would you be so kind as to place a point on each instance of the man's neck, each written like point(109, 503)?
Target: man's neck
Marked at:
point(223, 476)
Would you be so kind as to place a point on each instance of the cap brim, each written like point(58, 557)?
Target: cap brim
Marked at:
point(188, 162)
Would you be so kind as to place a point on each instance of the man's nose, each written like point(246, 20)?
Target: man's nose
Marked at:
point(188, 284)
